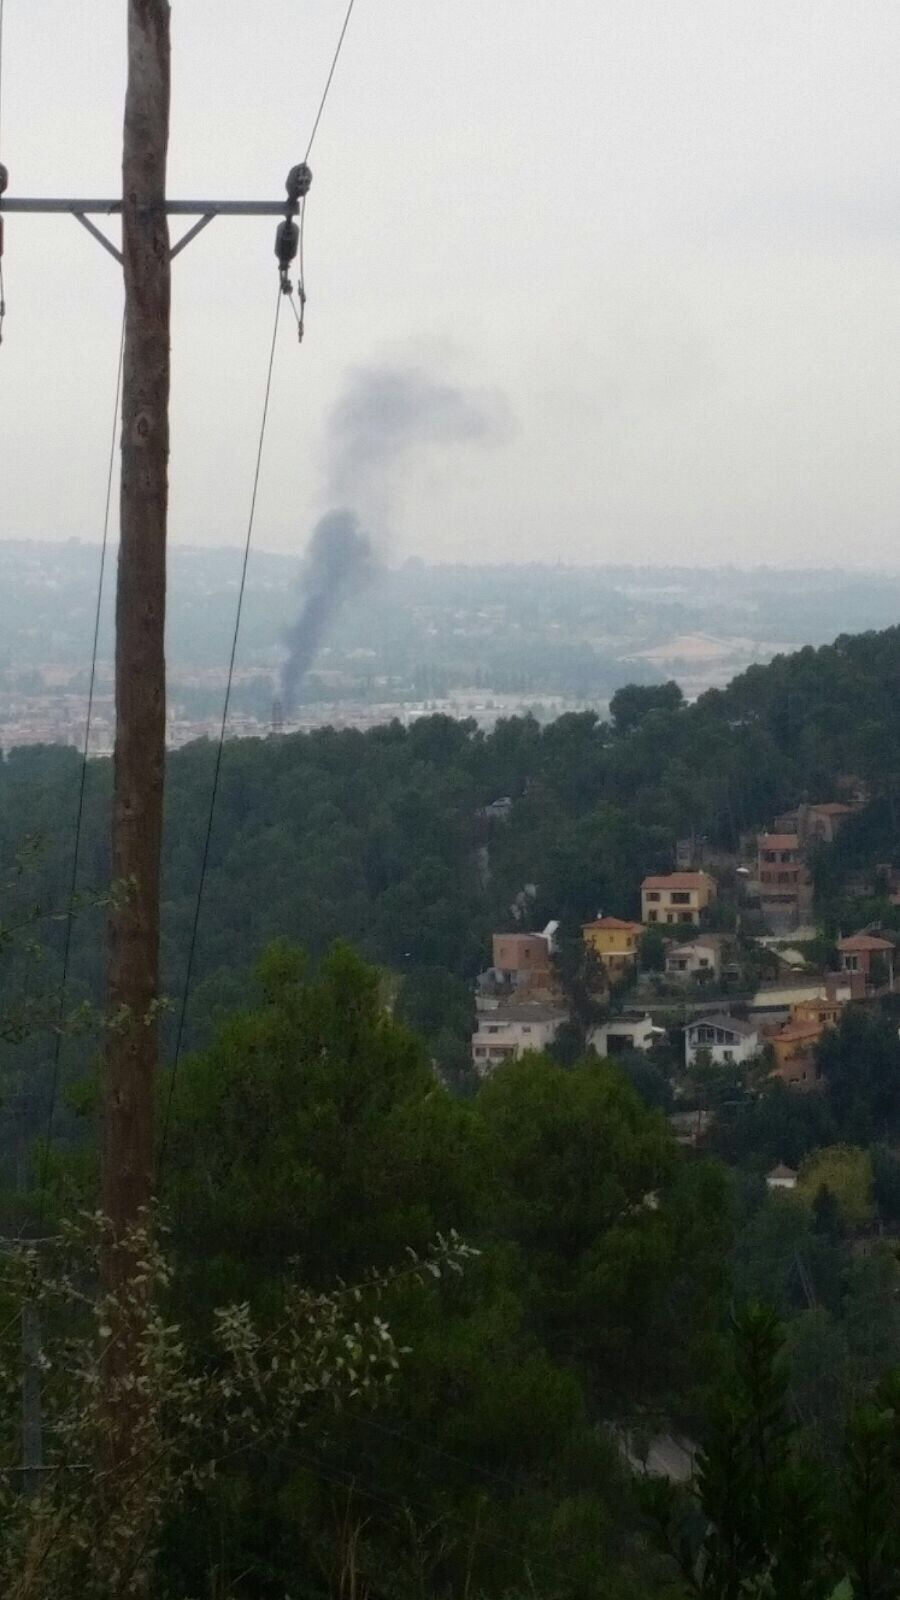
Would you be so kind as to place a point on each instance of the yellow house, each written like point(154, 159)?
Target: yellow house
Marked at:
point(676, 898)
point(614, 941)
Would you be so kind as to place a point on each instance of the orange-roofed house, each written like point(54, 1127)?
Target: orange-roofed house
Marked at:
point(825, 1012)
point(676, 899)
point(793, 1046)
point(616, 942)
point(862, 951)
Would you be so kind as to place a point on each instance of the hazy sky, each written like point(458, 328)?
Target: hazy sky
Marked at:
point(665, 233)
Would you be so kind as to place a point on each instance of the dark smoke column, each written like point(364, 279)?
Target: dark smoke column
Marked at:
point(339, 562)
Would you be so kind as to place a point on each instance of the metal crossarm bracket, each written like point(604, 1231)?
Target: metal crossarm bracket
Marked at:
point(199, 225)
point(98, 235)
point(204, 210)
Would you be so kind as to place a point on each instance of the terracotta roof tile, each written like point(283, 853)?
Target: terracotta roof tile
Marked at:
point(864, 941)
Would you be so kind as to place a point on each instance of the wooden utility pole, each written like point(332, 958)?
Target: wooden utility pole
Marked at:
point(140, 688)
point(127, 1150)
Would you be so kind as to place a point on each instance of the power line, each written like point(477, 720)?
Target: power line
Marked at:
point(333, 69)
point(79, 817)
point(301, 280)
point(204, 863)
point(237, 622)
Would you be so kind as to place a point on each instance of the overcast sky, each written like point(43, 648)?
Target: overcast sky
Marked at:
point(663, 235)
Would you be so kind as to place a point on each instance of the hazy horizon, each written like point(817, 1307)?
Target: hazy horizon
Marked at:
point(744, 569)
point(658, 243)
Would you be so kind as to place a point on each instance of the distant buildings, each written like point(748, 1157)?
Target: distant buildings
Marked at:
point(616, 942)
point(509, 1032)
point(726, 1040)
point(815, 824)
point(624, 1033)
point(521, 1005)
point(793, 1045)
point(784, 882)
point(522, 963)
point(701, 958)
point(781, 1177)
point(676, 898)
point(783, 878)
point(865, 953)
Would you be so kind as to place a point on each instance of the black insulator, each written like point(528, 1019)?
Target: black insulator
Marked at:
point(287, 238)
point(4, 178)
point(298, 181)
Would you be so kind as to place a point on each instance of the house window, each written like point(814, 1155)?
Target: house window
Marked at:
point(653, 916)
point(480, 1050)
point(703, 962)
point(685, 916)
point(653, 894)
point(526, 1029)
point(727, 1055)
point(669, 917)
point(680, 897)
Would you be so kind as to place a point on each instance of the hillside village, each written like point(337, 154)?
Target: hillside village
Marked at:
point(725, 971)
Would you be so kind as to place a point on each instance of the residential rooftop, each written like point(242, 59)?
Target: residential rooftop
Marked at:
point(720, 1020)
point(677, 880)
point(524, 1013)
point(614, 925)
point(864, 941)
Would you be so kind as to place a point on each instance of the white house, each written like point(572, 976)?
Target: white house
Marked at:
point(781, 1177)
point(509, 1032)
point(687, 962)
point(624, 1033)
point(727, 1040)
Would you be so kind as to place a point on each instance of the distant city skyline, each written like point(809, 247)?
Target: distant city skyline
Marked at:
point(663, 239)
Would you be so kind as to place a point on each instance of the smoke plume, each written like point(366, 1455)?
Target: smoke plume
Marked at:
point(339, 562)
point(384, 421)
point(388, 416)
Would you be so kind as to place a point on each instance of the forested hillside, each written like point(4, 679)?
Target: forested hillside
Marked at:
point(606, 1309)
point(375, 837)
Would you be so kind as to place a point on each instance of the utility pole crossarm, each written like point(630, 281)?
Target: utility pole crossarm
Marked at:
point(172, 208)
point(204, 210)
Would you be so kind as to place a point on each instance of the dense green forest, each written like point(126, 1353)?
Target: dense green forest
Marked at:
point(614, 1288)
point(378, 837)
